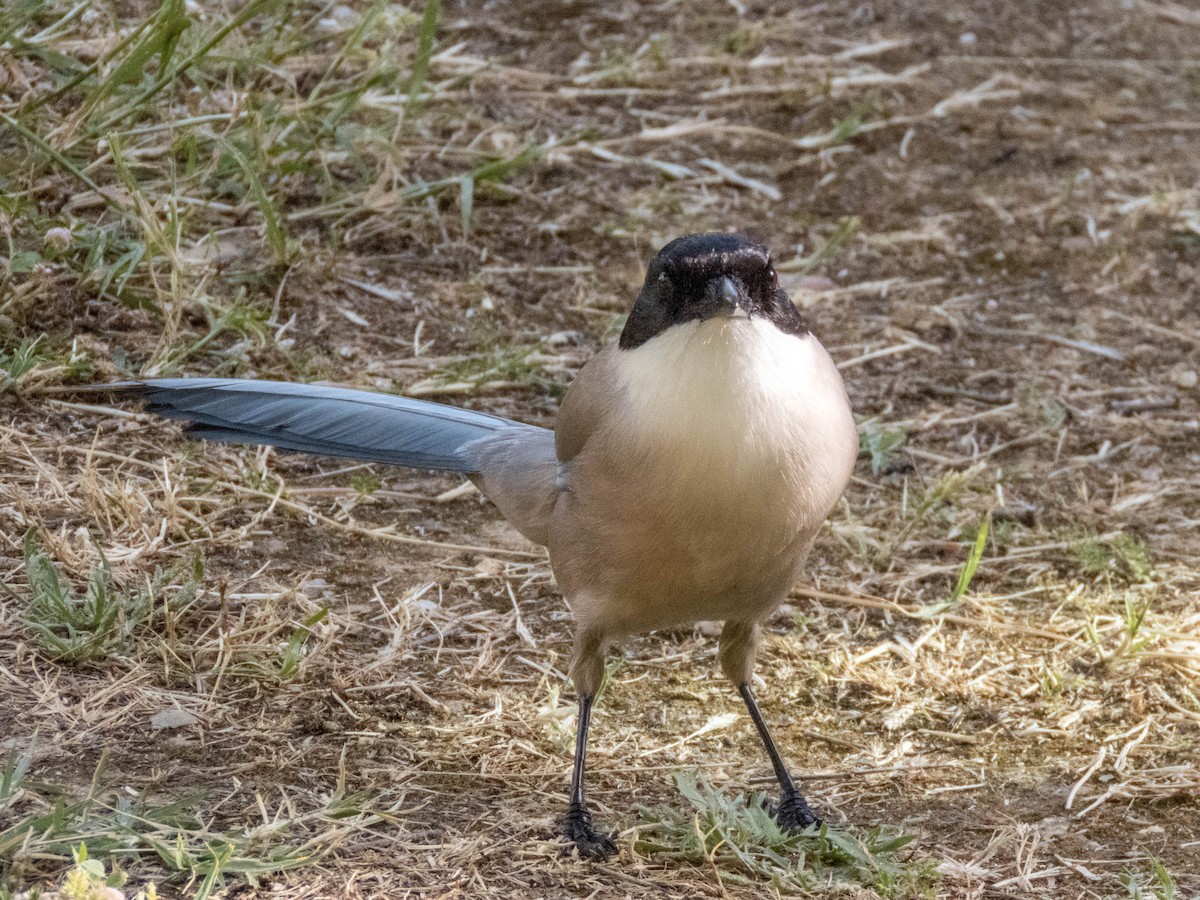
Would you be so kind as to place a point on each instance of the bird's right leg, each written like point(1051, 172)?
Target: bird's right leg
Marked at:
point(587, 671)
point(739, 641)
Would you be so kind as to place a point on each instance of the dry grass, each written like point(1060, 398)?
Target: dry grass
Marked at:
point(312, 679)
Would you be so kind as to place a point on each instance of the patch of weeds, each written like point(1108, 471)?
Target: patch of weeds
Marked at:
point(107, 258)
point(177, 840)
point(1158, 885)
point(88, 880)
point(843, 233)
point(1133, 641)
point(1039, 409)
point(802, 621)
point(520, 365)
point(12, 776)
point(848, 126)
point(1134, 635)
point(283, 249)
point(241, 318)
point(286, 665)
point(77, 625)
point(19, 362)
point(743, 40)
point(927, 504)
point(745, 845)
point(879, 444)
point(366, 482)
point(1051, 682)
point(490, 175)
point(966, 574)
point(292, 655)
point(1123, 555)
point(33, 358)
point(146, 199)
point(941, 491)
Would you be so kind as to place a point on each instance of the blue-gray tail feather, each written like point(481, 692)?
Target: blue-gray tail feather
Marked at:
point(322, 420)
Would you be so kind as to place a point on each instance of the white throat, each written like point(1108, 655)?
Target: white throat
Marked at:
point(724, 373)
point(738, 405)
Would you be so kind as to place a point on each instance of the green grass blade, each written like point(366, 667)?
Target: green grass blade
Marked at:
point(61, 160)
point(365, 25)
point(139, 101)
point(425, 40)
point(275, 232)
point(166, 27)
point(972, 563)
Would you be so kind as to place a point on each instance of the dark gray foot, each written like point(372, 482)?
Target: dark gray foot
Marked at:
point(794, 813)
point(577, 828)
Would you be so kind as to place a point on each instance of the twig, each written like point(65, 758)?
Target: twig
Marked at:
point(911, 613)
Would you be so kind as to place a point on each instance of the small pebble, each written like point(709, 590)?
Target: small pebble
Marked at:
point(1184, 377)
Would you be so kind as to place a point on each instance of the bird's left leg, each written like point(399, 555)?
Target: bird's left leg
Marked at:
point(739, 641)
point(587, 672)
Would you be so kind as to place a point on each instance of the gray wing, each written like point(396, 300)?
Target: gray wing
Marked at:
point(516, 469)
point(324, 420)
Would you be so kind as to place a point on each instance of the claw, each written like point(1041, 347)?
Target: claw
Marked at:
point(577, 828)
point(794, 813)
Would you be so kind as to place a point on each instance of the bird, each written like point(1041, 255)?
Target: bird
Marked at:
point(692, 463)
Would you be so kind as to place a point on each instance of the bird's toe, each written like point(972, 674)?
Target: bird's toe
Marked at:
point(591, 844)
point(794, 813)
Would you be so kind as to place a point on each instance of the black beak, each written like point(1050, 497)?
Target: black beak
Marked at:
point(729, 297)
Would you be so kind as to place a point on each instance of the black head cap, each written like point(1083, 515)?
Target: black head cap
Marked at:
point(699, 276)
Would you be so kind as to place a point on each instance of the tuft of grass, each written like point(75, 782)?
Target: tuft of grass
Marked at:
point(115, 829)
point(13, 775)
point(1123, 555)
point(744, 844)
point(366, 482)
point(88, 879)
point(19, 362)
point(1158, 885)
point(77, 625)
point(420, 69)
point(742, 41)
point(1133, 640)
point(841, 236)
point(966, 574)
point(879, 444)
point(286, 665)
point(283, 249)
point(194, 132)
point(491, 364)
point(927, 504)
point(240, 318)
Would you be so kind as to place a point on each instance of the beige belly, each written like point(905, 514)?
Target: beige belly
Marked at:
point(721, 537)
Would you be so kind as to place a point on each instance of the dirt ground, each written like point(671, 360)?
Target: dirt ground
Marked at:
point(990, 213)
